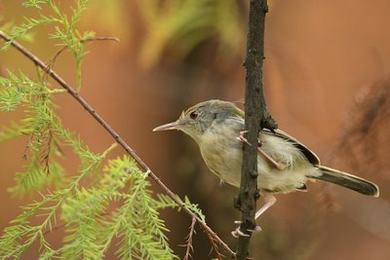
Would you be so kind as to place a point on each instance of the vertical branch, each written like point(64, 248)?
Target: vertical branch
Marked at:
point(256, 117)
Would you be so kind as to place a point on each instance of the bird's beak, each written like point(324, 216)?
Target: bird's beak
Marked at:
point(169, 126)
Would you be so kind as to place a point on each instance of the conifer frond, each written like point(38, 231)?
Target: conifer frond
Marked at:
point(34, 3)
point(82, 213)
point(18, 89)
point(23, 31)
point(136, 222)
point(35, 177)
point(22, 233)
point(194, 208)
point(43, 128)
point(41, 170)
point(14, 130)
point(90, 161)
point(65, 30)
point(164, 201)
point(70, 36)
point(81, 6)
point(80, 209)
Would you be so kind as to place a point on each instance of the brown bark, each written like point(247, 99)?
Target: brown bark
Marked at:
point(256, 117)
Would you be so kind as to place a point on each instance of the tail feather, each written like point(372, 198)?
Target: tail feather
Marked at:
point(348, 181)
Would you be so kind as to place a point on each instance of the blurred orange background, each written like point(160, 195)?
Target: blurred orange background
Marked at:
point(325, 61)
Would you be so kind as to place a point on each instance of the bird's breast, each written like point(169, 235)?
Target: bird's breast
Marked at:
point(222, 153)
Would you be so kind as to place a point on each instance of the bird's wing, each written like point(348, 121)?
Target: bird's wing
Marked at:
point(309, 154)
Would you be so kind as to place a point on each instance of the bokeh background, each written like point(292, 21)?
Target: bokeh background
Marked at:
point(326, 81)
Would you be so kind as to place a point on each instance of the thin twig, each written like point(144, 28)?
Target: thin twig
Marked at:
point(45, 152)
point(215, 247)
point(27, 147)
point(50, 64)
point(116, 137)
point(51, 230)
point(188, 245)
point(62, 225)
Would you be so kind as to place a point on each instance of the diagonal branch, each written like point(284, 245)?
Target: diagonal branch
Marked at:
point(115, 136)
point(256, 117)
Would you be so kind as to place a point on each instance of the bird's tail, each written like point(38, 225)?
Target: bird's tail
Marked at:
point(348, 181)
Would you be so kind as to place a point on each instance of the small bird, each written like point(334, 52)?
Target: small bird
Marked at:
point(284, 163)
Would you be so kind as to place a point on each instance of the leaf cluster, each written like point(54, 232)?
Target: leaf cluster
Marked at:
point(85, 211)
point(90, 223)
point(65, 28)
point(40, 125)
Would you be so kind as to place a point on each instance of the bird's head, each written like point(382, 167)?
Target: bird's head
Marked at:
point(195, 120)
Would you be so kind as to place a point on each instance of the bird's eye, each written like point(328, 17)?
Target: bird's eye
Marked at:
point(194, 115)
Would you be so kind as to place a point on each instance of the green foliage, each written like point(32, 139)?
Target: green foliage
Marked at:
point(141, 230)
point(17, 90)
point(194, 208)
point(181, 25)
point(22, 233)
point(12, 131)
point(35, 177)
point(65, 28)
point(136, 222)
point(35, 3)
point(95, 206)
point(90, 225)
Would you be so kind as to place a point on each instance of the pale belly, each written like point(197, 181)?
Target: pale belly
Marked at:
point(226, 164)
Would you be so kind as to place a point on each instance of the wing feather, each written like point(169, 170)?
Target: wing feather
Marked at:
point(309, 154)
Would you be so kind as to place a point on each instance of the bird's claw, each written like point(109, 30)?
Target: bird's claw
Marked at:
point(242, 138)
point(256, 229)
point(237, 232)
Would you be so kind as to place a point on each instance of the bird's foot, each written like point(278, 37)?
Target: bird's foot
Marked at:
point(278, 165)
point(237, 232)
point(242, 138)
